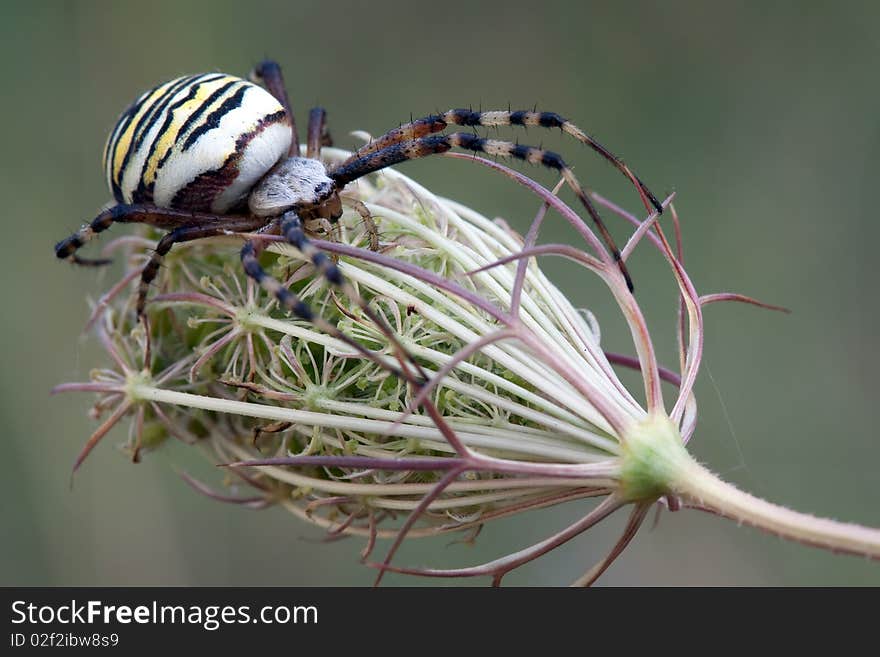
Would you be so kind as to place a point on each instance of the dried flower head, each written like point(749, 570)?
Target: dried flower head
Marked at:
point(516, 406)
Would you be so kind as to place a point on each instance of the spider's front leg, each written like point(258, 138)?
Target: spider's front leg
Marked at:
point(493, 118)
point(409, 150)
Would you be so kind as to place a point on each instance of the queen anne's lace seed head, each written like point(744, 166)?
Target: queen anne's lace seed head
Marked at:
point(517, 407)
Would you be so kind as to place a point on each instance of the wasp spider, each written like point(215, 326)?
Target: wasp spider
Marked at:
point(212, 154)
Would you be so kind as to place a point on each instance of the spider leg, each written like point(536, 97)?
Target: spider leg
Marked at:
point(316, 132)
point(290, 227)
point(407, 132)
point(269, 73)
point(188, 234)
point(493, 118)
point(128, 214)
point(326, 137)
point(409, 150)
point(412, 149)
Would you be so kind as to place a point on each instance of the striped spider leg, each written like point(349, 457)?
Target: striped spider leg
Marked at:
point(403, 150)
point(434, 123)
point(493, 118)
point(184, 227)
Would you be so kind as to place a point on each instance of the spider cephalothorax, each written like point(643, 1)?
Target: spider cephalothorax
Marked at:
point(300, 184)
point(211, 154)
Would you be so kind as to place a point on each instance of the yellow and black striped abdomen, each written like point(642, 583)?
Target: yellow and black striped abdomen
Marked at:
point(197, 143)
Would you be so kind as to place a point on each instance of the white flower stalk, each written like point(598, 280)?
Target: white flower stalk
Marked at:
point(517, 406)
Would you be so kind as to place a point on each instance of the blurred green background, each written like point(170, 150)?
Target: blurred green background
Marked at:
point(763, 117)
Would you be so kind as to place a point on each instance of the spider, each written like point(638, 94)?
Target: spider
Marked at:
point(212, 154)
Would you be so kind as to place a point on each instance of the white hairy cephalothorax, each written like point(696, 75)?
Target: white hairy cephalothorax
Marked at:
point(296, 182)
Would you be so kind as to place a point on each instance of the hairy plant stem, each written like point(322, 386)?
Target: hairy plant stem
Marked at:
point(700, 488)
point(655, 463)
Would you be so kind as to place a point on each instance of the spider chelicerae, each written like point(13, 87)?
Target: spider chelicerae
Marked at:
point(212, 154)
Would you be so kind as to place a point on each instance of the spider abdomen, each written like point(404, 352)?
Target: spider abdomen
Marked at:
point(199, 143)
